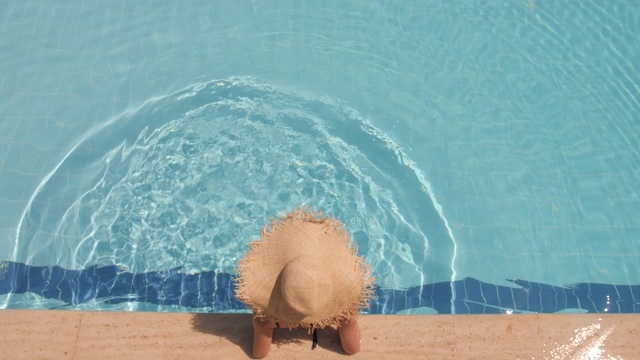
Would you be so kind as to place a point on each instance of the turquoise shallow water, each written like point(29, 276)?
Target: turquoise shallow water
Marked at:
point(188, 180)
point(488, 139)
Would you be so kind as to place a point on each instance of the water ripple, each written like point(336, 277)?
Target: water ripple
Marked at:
point(189, 179)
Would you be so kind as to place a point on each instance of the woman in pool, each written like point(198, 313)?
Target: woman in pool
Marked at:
point(303, 272)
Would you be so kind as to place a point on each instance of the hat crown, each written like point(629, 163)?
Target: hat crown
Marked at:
point(304, 271)
point(306, 286)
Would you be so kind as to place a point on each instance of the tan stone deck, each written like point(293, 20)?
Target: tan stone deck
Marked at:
point(49, 334)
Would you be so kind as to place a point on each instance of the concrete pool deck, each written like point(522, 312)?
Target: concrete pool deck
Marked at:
point(53, 334)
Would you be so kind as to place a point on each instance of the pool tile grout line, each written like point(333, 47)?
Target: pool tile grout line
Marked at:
point(75, 345)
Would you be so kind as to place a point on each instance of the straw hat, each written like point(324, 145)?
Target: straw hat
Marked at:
point(304, 272)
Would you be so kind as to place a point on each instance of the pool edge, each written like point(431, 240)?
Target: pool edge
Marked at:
point(64, 334)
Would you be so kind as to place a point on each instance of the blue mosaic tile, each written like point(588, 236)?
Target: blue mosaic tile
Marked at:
point(214, 291)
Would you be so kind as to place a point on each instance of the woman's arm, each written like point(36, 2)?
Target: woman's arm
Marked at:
point(262, 336)
point(350, 335)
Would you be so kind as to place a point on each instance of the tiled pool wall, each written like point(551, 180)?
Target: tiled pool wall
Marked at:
point(210, 291)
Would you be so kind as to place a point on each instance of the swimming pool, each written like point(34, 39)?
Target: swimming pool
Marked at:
point(461, 144)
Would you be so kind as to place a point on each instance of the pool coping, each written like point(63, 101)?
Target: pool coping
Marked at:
point(68, 334)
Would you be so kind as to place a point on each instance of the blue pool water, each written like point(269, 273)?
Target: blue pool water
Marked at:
point(465, 145)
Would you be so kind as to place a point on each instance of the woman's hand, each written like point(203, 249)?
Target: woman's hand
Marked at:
point(262, 337)
point(350, 335)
